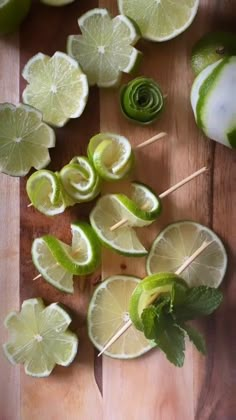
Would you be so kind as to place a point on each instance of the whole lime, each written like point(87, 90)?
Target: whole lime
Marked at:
point(12, 13)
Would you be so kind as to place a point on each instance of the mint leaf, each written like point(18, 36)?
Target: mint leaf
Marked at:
point(171, 340)
point(150, 321)
point(199, 301)
point(196, 337)
point(178, 293)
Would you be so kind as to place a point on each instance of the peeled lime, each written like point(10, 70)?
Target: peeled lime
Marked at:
point(12, 13)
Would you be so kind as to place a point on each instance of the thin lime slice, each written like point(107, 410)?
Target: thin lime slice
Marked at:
point(12, 13)
point(105, 48)
point(160, 20)
point(57, 87)
point(49, 268)
point(83, 257)
point(148, 291)
point(211, 48)
point(80, 180)
point(40, 338)
point(57, 2)
point(44, 192)
point(111, 155)
point(108, 312)
point(179, 241)
point(213, 103)
point(24, 139)
point(108, 211)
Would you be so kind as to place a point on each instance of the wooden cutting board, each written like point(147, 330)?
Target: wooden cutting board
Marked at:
point(104, 389)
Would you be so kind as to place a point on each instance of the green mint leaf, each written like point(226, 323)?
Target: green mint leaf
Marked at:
point(199, 301)
point(196, 337)
point(150, 321)
point(171, 340)
point(178, 293)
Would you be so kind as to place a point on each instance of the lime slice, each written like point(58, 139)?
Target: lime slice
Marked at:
point(160, 20)
point(57, 87)
point(57, 2)
point(83, 257)
point(211, 48)
point(80, 180)
point(105, 48)
point(147, 291)
point(213, 102)
point(111, 155)
point(49, 268)
point(12, 13)
point(108, 312)
point(108, 211)
point(24, 139)
point(179, 241)
point(40, 338)
point(44, 192)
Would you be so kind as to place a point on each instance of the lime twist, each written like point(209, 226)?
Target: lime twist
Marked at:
point(40, 338)
point(142, 100)
point(57, 262)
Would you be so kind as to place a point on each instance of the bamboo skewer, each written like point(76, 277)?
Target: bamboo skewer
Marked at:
point(166, 193)
point(183, 267)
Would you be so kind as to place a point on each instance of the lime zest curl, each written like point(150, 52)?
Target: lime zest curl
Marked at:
point(142, 100)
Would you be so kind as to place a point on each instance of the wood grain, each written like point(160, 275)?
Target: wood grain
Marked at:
point(9, 238)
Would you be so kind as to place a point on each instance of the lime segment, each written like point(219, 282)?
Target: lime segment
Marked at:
point(40, 338)
point(108, 312)
point(180, 240)
point(105, 48)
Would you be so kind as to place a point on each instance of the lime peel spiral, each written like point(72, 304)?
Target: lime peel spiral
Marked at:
point(142, 100)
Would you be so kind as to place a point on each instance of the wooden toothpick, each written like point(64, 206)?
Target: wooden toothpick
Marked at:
point(151, 140)
point(165, 193)
point(183, 267)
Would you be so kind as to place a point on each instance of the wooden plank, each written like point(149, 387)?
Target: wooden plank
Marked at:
point(67, 393)
point(9, 238)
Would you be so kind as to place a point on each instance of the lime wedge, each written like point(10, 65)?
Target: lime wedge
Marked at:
point(179, 241)
point(12, 13)
point(57, 87)
point(160, 20)
point(24, 139)
point(44, 191)
point(80, 180)
point(105, 48)
point(108, 312)
point(49, 268)
point(211, 48)
point(40, 338)
point(111, 155)
point(57, 2)
point(148, 291)
point(108, 211)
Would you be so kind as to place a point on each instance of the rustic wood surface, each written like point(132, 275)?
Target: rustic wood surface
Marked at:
point(147, 388)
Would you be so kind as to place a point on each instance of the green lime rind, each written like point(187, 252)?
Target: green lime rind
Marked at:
point(154, 285)
point(57, 3)
point(155, 203)
point(232, 137)
point(53, 272)
point(211, 48)
point(64, 254)
point(142, 100)
point(12, 13)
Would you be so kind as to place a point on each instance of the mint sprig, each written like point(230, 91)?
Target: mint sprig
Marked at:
point(165, 320)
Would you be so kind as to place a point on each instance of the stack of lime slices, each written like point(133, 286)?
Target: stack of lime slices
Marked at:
point(57, 262)
point(40, 338)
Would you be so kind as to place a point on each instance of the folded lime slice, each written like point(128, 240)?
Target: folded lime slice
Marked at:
point(111, 155)
point(24, 139)
point(105, 48)
point(80, 180)
point(160, 20)
point(147, 291)
point(12, 13)
point(40, 338)
point(56, 86)
point(44, 191)
point(57, 2)
point(108, 211)
point(83, 257)
point(49, 268)
point(108, 312)
point(179, 241)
